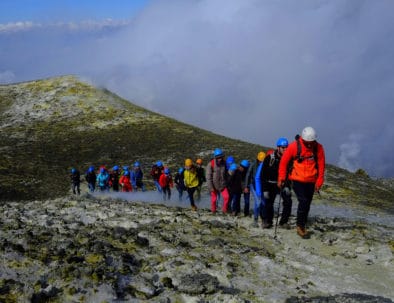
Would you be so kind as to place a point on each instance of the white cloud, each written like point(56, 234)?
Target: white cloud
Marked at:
point(7, 76)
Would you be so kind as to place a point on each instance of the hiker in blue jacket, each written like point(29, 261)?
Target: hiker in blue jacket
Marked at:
point(90, 177)
point(250, 182)
point(103, 179)
point(136, 177)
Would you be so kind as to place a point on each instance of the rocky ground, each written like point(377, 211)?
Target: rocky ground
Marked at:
point(100, 249)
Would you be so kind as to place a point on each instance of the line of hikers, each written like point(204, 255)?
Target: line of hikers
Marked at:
point(299, 165)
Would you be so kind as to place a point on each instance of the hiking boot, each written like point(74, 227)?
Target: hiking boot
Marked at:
point(284, 225)
point(266, 225)
point(194, 207)
point(301, 231)
point(255, 223)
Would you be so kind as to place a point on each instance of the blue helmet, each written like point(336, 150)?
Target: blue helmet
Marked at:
point(115, 167)
point(180, 170)
point(218, 153)
point(282, 142)
point(136, 164)
point(73, 170)
point(229, 160)
point(233, 167)
point(166, 170)
point(245, 163)
point(159, 163)
point(125, 168)
point(102, 170)
point(126, 173)
point(91, 169)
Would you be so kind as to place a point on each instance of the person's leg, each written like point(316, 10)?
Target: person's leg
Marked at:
point(256, 204)
point(225, 195)
point(287, 204)
point(198, 193)
point(304, 193)
point(190, 192)
point(246, 204)
point(158, 187)
point(213, 201)
point(237, 200)
point(268, 211)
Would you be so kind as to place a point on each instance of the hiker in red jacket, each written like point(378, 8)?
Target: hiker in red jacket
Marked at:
point(166, 183)
point(125, 182)
point(303, 163)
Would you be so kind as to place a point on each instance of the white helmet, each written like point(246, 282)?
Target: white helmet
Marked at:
point(308, 134)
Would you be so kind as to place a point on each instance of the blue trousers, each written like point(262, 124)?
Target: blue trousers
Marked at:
point(259, 203)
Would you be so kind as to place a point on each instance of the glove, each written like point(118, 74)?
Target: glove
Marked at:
point(266, 195)
point(281, 183)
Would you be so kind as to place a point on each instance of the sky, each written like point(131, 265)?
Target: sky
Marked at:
point(248, 69)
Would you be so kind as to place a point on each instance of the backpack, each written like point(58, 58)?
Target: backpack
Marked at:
point(298, 157)
point(271, 154)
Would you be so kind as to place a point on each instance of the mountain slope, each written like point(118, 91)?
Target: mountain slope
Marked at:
point(48, 126)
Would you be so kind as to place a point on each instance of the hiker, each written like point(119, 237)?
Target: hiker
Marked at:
point(270, 188)
point(90, 177)
point(125, 182)
point(75, 181)
point(229, 160)
point(250, 182)
point(103, 179)
point(136, 176)
point(191, 181)
point(303, 163)
point(180, 182)
point(156, 171)
point(114, 178)
point(217, 180)
point(166, 182)
point(201, 178)
point(234, 186)
point(244, 166)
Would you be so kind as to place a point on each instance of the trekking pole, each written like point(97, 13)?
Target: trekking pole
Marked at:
point(277, 215)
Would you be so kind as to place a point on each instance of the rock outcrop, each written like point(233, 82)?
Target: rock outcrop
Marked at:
point(100, 249)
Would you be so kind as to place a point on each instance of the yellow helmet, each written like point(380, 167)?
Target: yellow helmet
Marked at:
point(188, 162)
point(261, 156)
point(199, 161)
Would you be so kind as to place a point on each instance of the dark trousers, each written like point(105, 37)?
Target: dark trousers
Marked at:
point(166, 193)
point(235, 203)
point(304, 193)
point(287, 204)
point(285, 200)
point(247, 204)
point(190, 191)
point(76, 188)
point(268, 208)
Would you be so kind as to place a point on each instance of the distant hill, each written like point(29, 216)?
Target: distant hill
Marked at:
point(48, 126)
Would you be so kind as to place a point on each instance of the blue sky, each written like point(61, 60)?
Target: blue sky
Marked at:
point(67, 10)
point(252, 70)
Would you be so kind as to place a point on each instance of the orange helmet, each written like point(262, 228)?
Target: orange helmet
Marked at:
point(199, 161)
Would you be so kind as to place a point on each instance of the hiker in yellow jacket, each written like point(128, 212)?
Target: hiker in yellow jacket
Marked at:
point(191, 180)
